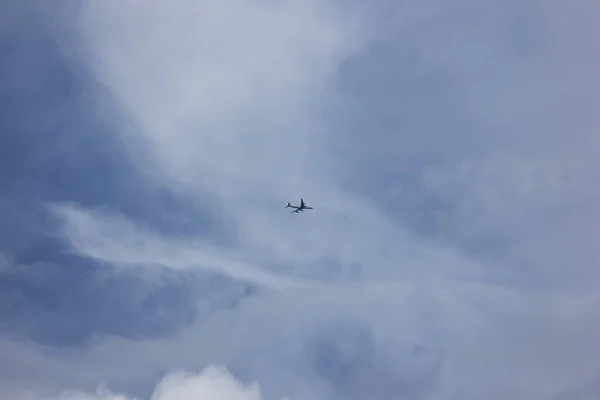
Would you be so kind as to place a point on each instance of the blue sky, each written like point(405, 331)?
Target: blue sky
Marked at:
point(449, 152)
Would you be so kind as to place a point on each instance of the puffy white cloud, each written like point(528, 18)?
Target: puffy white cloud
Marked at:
point(212, 383)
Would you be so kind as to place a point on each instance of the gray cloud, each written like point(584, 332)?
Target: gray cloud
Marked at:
point(447, 151)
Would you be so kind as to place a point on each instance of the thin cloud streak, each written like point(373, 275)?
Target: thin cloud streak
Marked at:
point(117, 241)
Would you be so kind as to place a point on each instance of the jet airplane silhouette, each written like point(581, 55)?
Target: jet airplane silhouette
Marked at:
point(299, 208)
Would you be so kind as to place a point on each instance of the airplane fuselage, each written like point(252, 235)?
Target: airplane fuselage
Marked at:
point(301, 208)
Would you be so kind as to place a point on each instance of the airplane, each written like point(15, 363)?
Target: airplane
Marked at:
point(301, 207)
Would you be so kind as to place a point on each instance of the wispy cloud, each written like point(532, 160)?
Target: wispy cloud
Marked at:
point(118, 242)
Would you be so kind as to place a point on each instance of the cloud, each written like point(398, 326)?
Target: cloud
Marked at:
point(446, 150)
point(423, 341)
point(211, 383)
point(214, 105)
point(118, 242)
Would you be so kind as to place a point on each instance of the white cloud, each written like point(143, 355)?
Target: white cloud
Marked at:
point(117, 241)
point(212, 383)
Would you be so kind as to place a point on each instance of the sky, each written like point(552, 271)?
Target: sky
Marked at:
point(449, 151)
